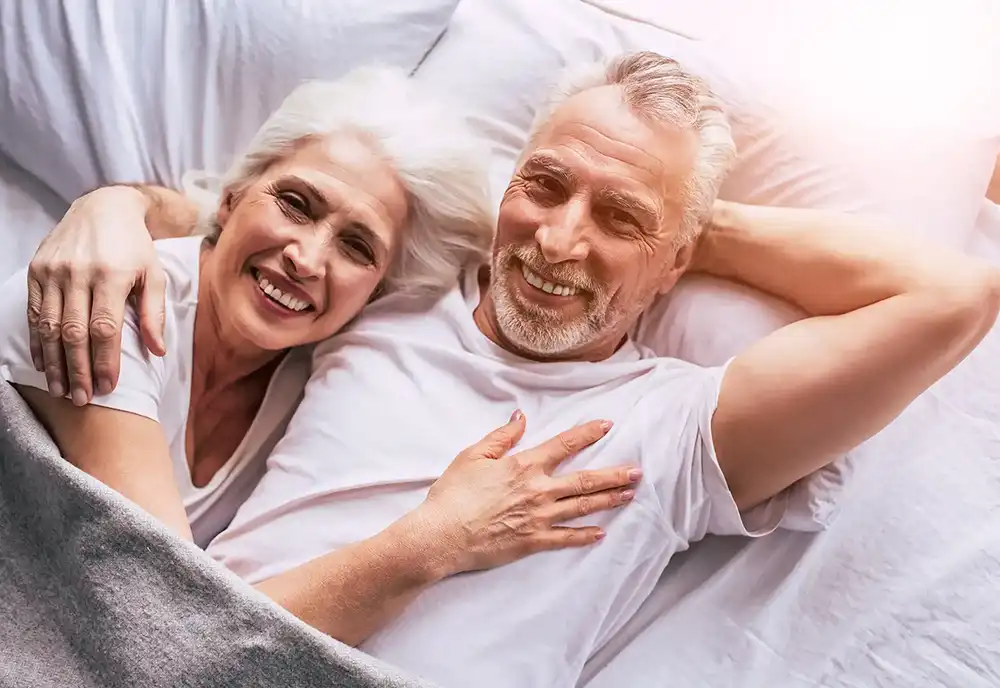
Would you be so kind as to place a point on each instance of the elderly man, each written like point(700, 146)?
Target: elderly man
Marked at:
point(603, 214)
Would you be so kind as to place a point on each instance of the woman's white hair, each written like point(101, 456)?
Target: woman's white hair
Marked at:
point(440, 163)
point(659, 89)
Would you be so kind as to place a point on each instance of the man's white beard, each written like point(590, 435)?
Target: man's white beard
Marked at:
point(536, 330)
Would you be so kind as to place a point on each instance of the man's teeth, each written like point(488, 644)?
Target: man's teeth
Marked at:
point(548, 287)
point(290, 302)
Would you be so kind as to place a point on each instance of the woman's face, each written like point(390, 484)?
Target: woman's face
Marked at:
point(303, 247)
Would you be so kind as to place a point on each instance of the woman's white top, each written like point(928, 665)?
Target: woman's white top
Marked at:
point(159, 388)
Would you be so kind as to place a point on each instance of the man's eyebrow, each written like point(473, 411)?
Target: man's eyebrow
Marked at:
point(648, 215)
point(547, 163)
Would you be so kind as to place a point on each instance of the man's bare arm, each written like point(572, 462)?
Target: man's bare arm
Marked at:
point(83, 273)
point(890, 317)
point(169, 213)
point(993, 192)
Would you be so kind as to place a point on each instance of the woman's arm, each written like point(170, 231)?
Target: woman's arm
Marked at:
point(125, 451)
point(486, 510)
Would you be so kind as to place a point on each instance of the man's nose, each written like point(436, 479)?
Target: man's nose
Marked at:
point(563, 235)
point(304, 258)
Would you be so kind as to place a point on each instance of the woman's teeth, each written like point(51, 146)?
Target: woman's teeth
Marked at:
point(290, 302)
point(548, 287)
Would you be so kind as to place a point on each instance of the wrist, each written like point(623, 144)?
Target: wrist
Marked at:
point(726, 223)
point(430, 554)
point(122, 195)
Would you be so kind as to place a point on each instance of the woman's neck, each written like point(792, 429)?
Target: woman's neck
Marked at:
point(223, 358)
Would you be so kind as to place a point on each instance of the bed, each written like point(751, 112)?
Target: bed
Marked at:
point(899, 590)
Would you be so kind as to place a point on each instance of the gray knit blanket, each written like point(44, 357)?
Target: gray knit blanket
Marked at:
point(93, 592)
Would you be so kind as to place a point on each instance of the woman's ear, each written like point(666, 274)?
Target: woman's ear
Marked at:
point(226, 204)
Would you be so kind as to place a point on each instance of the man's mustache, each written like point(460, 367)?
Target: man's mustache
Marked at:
point(564, 274)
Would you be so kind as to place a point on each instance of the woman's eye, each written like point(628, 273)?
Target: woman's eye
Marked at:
point(295, 201)
point(360, 250)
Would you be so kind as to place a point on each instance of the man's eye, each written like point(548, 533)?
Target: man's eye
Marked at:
point(620, 217)
point(295, 201)
point(544, 183)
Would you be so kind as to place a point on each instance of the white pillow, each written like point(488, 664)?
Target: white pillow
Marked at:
point(102, 91)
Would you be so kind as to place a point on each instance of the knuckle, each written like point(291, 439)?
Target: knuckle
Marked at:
point(34, 311)
point(585, 505)
point(103, 328)
point(74, 332)
point(585, 482)
point(567, 443)
point(62, 270)
point(49, 328)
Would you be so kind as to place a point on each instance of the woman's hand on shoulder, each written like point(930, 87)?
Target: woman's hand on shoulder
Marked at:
point(78, 284)
point(490, 508)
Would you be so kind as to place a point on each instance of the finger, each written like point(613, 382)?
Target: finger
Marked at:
point(50, 335)
point(107, 318)
point(75, 331)
point(496, 444)
point(588, 482)
point(152, 311)
point(34, 315)
point(564, 445)
point(585, 505)
point(560, 537)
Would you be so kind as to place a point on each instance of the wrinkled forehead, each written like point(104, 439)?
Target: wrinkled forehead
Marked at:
point(604, 144)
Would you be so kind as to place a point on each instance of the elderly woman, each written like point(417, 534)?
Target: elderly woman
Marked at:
point(350, 190)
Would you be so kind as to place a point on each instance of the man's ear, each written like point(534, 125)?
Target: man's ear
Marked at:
point(678, 266)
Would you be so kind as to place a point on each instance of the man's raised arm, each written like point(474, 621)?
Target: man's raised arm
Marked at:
point(83, 273)
point(890, 316)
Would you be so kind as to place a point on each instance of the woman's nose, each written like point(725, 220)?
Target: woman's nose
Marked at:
point(303, 259)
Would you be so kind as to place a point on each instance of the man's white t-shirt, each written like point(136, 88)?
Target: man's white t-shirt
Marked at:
point(160, 388)
point(390, 404)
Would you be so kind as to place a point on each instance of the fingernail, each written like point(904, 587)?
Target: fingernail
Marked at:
point(79, 397)
point(600, 536)
point(104, 386)
point(57, 390)
point(39, 364)
point(606, 425)
point(517, 415)
point(627, 495)
point(635, 475)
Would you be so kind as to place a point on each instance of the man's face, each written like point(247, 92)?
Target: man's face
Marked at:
point(587, 230)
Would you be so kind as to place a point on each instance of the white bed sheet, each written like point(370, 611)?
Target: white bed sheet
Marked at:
point(28, 211)
point(901, 591)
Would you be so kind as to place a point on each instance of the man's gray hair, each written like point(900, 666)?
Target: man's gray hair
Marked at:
point(659, 89)
point(440, 163)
